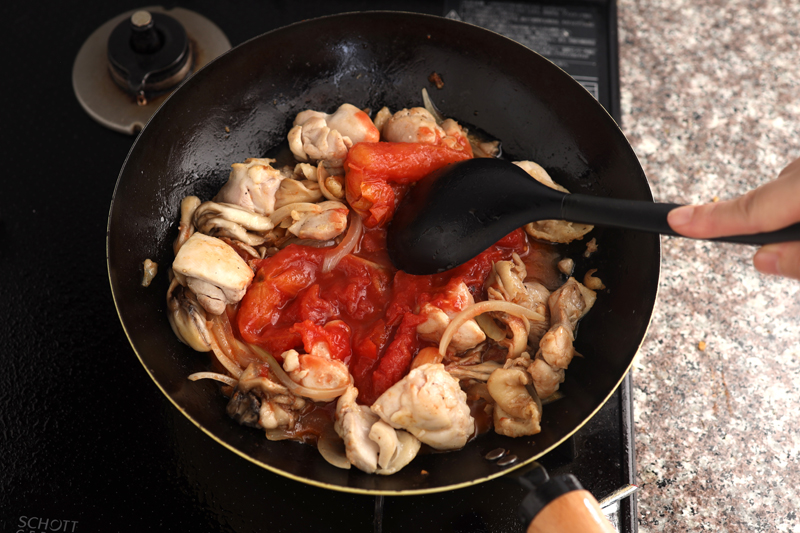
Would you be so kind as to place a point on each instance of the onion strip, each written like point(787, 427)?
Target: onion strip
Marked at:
point(215, 376)
point(480, 308)
point(318, 395)
point(348, 244)
point(229, 365)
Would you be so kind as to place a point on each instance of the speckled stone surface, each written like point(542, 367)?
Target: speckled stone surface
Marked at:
point(711, 104)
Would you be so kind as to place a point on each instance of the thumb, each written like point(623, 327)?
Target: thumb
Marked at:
point(779, 259)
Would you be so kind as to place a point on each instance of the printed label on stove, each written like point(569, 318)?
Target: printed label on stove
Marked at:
point(36, 524)
point(566, 35)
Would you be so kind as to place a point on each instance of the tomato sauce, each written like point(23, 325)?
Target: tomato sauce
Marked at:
point(364, 309)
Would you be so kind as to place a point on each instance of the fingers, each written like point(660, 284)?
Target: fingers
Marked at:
point(772, 206)
point(779, 259)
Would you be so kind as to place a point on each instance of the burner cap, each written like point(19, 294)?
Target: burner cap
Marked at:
point(129, 65)
point(149, 53)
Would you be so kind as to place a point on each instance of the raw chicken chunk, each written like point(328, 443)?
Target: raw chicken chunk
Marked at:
point(252, 185)
point(438, 318)
point(319, 136)
point(213, 271)
point(372, 445)
point(516, 413)
point(429, 404)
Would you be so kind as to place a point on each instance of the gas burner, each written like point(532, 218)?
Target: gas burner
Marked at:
point(130, 64)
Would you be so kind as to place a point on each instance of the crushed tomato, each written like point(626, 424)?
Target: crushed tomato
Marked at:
point(364, 309)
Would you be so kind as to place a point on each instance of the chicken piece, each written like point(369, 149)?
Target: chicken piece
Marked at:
point(516, 412)
point(316, 370)
point(418, 125)
point(330, 221)
point(259, 400)
point(317, 136)
point(415, 125)
point(546, 379)
point(455, 299)
point(371, 445)
point(568, 304)
point(428, 403)
point(381, 118)
point(353, 422)
point(551, 230)
point(252, 185)
point(213, 271)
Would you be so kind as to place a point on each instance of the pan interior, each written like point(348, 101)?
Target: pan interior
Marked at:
point(242, 105)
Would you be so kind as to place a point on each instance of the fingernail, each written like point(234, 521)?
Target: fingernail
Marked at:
point(767, 262)
point(680, 216)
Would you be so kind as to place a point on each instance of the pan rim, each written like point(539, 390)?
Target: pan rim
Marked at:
point(332, 486)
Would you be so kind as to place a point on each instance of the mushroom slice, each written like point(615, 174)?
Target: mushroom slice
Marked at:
point(187, 318)
point(252, 185)
point(428, 403)
point(186, 227)
point(551, 230)
point(293, 191)
point(397, 447)
point(232, 221)
point(212, 267)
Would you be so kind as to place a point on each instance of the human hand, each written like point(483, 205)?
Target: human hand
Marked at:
point(770, 207)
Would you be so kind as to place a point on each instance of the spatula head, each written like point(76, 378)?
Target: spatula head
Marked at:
point(462, 209)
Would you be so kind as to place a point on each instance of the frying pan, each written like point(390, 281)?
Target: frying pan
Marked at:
point(242, 105)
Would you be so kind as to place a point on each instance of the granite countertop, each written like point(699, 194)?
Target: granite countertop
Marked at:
point(711, 105)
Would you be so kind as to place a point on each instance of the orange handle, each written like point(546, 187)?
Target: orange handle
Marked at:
point(574, 512)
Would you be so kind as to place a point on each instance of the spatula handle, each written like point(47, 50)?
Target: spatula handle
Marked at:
point(652, 218)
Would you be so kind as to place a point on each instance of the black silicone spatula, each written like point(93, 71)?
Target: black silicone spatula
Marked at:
point(460, 210)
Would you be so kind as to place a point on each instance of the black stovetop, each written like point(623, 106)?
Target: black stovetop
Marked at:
point(88, 443)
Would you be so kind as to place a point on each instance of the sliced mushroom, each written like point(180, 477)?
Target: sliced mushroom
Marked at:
point(293, 191)
point(186, 226)
point(397, 448)
point(187, 318)
point(559, 231)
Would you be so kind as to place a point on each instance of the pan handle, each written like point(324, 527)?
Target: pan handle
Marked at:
point(562, 505)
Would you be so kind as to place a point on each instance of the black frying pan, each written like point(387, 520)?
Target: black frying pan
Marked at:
point(242, 104)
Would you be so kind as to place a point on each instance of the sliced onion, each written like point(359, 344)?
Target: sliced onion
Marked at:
point(331, 448)
point(557, 395)
point(480, 308)
point(426, 101)
point(229, 365)
point(348, 244)
point(215, 376)
point(222, 330)
point(490, 327)
point(318, 395)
